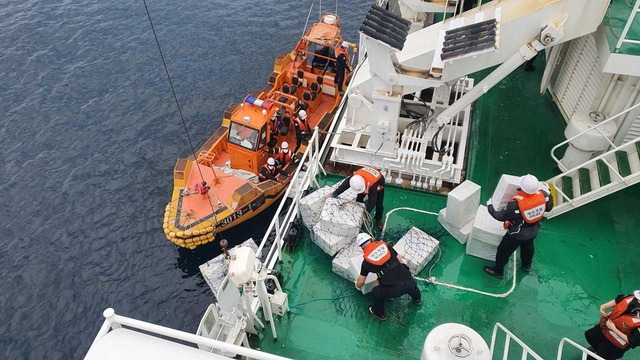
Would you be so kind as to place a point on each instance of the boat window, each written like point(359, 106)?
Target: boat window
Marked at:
point(243, 135)
point(263, 137)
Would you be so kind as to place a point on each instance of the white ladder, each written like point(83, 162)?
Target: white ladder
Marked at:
point(611, 171)
point(623, 36)
point(528, 353)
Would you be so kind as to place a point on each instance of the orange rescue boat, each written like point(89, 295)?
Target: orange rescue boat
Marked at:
point(220, 187)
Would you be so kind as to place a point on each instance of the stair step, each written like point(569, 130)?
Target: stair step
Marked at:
point(622, 157)
point(604, 176)
point(584, 179)
point(567, 186)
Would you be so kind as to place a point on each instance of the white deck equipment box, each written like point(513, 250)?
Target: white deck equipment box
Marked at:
point(461, 234)
point(485, 236)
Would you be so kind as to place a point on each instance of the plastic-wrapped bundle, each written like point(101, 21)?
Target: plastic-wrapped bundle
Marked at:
point(215, 269)
point(341, 263)
point(370, 282)
point(506, 189)
point(342, 217)
point(416, 248)
point(311, 205)
point(460, 234)
point(462, 203)
point(329, 242)
point(485, 236)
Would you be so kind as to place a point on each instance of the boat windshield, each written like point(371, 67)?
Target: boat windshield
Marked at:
point(242, 135)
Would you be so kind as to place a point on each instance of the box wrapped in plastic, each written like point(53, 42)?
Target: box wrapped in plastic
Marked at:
point(311, 205)
point(481, 249)
point(341, 217)
point(371, 280)
point(486, 228)
point(506, 189)
point(214, 270)
point(460, 234)
point(417, 248)
point(329, 242)
point(341, 263)
point(462, 203)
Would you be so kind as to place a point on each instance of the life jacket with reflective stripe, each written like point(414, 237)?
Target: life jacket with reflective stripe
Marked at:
point(270, 171)
point(370, 176)
point(626, 323)
point(302, 125)
point(283, 158)
point(531, 206)
point(378, 253)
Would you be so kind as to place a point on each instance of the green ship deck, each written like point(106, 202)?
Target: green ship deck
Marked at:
point(614, 22)
point(583, 258)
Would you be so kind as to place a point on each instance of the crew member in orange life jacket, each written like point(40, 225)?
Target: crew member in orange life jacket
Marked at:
point(521, 217)
point(619, 329)
point(302, 129)
point(269, 171)
point(394, 277)
point(366, 182)
point(283, 156)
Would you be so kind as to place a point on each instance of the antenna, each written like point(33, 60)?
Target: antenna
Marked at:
point(306, 22)
point(320, 10)
point(336, 7)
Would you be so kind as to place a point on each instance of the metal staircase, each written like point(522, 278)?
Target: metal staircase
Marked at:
point(611, 171)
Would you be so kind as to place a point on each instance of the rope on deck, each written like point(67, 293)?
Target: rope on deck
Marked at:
point(432, 279)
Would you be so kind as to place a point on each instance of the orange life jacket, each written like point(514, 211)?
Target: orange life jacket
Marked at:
point(270, 171)
point(370, 176)
point(531, 206)
point(273, 127)
point(340, 50)
point(626, 323)
point(283, 158)
point(376, 253)
point(302, 125)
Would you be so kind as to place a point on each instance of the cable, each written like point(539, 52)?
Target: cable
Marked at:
point(186, 130)
point(299, 305)
point(432, 280)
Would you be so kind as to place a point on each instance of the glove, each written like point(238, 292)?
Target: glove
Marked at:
point(489, 202)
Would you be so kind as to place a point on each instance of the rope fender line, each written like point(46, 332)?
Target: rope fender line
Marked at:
point(432, 280)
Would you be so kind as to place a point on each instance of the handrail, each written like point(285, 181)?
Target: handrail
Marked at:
point(314, 152)
point(526, 350)
point(627, 26)
point(590, 161)
point(113, 321)
point(585, 352)
point(560, 165)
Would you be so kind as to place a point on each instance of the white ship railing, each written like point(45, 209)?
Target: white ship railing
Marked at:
point(312, 159)
point(280, 224)
point(623, 36)
point(526, 350)
point(113, 321)
point(594, 128)
point(585, 352)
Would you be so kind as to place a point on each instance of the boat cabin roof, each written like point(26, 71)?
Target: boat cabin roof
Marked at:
point(256, 119)
point(323, 34)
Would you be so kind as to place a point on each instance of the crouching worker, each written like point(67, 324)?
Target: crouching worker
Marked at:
point(269, 171)
point(394, 277)
point(366, 182)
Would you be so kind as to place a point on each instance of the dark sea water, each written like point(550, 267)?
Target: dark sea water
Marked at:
point(89, 136)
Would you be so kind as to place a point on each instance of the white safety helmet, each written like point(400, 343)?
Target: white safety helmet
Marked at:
point(303, 114)
point(271, 162)
point(345, 44)
point(284, 145)
point(529, 184)
point(637, 294)
point(357, 184)
point(363, 238)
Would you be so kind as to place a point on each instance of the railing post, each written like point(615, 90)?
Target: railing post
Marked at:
point(623, 35)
